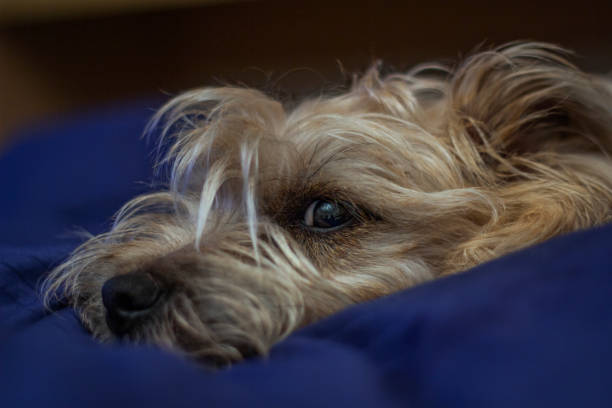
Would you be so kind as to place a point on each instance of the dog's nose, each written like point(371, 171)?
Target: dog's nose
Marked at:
point(128, 299)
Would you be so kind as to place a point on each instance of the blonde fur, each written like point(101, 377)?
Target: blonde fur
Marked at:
point(440, 169)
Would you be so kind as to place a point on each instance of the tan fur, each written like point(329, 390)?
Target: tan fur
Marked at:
point(442, 169)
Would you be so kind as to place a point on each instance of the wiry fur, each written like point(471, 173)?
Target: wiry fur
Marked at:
point(441, 168)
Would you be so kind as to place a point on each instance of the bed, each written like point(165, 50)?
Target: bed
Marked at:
point(531, 329)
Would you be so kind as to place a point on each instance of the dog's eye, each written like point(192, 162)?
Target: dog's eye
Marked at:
point(326, 215)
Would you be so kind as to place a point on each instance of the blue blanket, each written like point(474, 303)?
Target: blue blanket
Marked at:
point(533, 329)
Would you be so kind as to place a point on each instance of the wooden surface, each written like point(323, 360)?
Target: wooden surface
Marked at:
point(14, 12)
point(48, 69)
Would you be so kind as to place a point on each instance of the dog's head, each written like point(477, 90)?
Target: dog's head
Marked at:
point(274, 218)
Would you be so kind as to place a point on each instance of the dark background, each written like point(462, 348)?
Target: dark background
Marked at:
point(54, 64)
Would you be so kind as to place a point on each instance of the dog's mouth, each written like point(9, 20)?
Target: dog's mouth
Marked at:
point(152, 315)
point(210, 320)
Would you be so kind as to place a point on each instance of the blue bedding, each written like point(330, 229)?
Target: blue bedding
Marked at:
point(533, 329)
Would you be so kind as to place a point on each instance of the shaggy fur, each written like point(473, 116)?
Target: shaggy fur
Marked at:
point(429, 173)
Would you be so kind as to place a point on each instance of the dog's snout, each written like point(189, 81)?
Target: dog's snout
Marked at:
point(128, 299)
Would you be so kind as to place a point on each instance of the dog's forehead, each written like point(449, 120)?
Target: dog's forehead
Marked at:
point(326, 162)
point(320, 147)
point(352, 147)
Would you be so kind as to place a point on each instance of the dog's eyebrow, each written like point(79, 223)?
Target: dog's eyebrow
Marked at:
point(331, 158)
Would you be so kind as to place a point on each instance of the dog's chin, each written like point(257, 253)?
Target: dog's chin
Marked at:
point(209, 354)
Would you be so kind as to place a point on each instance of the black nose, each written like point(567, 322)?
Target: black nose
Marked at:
point(129, 299)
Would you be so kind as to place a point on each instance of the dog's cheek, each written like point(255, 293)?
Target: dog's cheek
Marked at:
point(329, 250)
point(372, 260)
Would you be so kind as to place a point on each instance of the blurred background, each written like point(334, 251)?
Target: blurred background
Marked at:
point(58, 57)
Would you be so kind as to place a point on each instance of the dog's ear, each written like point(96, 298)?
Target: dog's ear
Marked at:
point(527, 98)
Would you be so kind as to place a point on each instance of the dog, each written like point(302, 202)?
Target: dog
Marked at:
point(272, 218)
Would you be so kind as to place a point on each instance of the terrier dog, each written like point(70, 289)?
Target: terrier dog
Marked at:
point(273, 218)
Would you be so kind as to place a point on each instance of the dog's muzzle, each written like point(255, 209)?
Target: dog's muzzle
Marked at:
point(129, 299)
